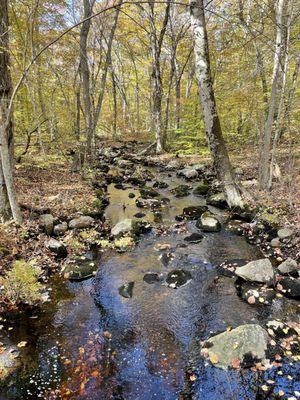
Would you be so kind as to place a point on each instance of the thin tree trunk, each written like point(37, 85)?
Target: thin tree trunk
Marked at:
point(264, 171)
point(213, 130)
point(7, 192)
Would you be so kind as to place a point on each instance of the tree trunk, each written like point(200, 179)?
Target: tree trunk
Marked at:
point(84, 71)
point(213, 130)
point(264, 171)
point(7, 191)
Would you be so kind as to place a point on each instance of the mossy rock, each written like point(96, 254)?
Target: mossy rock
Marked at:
point(80, 270)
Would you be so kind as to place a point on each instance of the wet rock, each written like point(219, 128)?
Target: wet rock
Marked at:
point(135, 180)
point(124, 226)
point(246, 343)
point(60, 229)
point(9, 360)
point(276, 242)
point(181, 191)
point(81, 269)
point(131, 195)
point(173, 165)
point(124, 163)
point(279, 329)
point(82, 222)
point(289, 266)
point(126, 290)
point(151, 277)
point(236, 227)
point(103, 167)
point(139, 215)
point(148, 192)
point(257, 271)
point(140, 227)
point(256, 294)
point(165, 258)
point(285, 233)
point(194, 238)
point(228, 267)
point(57, 247)
point(165, 201)
point(201, 189)
point(208, 222)
point(290, 287)
point(47, 223)
point(217, 200)
point(158, 217)
point(147, 203)
point(194, 212)
point(160, 185)
point(188, 173)
point(177, 278)
point(119, 186)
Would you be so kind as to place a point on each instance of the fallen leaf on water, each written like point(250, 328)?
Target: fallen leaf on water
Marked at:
point(193, 378)
point(214, 359)
point(22, 344)
point(265, 388)
point(235, 363)
point(81, 350)
point(251, 300)
point(95, 374)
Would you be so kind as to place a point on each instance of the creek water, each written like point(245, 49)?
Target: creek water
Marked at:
point(92, 343)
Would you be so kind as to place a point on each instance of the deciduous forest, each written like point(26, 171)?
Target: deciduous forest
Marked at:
point(149, 199)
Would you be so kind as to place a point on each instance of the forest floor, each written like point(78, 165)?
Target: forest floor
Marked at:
point(49, 186)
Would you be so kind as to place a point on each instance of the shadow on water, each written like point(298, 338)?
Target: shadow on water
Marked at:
point(91, 343)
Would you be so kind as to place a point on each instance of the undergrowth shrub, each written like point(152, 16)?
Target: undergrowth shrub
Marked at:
point(21, 286)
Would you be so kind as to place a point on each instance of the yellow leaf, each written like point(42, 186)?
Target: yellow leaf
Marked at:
point(214, 359)
point(22, 344)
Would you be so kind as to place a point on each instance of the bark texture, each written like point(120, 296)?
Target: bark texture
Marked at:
point(213, 130)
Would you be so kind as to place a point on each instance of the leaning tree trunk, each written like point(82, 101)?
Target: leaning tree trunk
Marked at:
point(7, 190)
point(213, 130)
point(264, 171)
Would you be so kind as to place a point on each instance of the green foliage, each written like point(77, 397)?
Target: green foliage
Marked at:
point(21, 286)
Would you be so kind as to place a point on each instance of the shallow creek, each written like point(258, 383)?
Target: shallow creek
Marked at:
point(151, 343)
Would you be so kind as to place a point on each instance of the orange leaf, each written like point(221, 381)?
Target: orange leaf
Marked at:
point(214, 359)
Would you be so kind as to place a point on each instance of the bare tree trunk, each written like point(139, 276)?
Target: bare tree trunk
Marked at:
point(84, 71)
point(156, 42)
point(115, 113)
point(213, 130)
point(264, 171)
point(7, 191)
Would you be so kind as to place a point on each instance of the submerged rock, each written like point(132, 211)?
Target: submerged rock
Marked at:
point(201, 189)
point(148, 193)
point(194, 212)
point(131, 195)
point(208, 223)
point(151, 277)
point(256, 294)
point(280, 329)
point(139, 215)
point(246, 344)
point(257, 271)
point(217, 200)
point(82, 222)
point(235, 226)
point(194, 238)
point(147, 203)
point(126, 290)
point(9, 360)
point(289, 266)
point(177, 278)
point(160, 185)
point(80, 270)
point(181, 191)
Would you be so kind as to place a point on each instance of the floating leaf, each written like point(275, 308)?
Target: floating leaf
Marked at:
point(214, 359)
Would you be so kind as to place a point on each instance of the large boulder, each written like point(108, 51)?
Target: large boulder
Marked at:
point(124, 226)
point(245, 344)
point(208, 222)
point(217, 200)
point(47, 223)
point(257, 271)
point(57, 247)
point(82, 222)
point(289, 266)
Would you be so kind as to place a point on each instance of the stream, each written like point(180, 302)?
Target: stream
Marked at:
point(92, 343)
